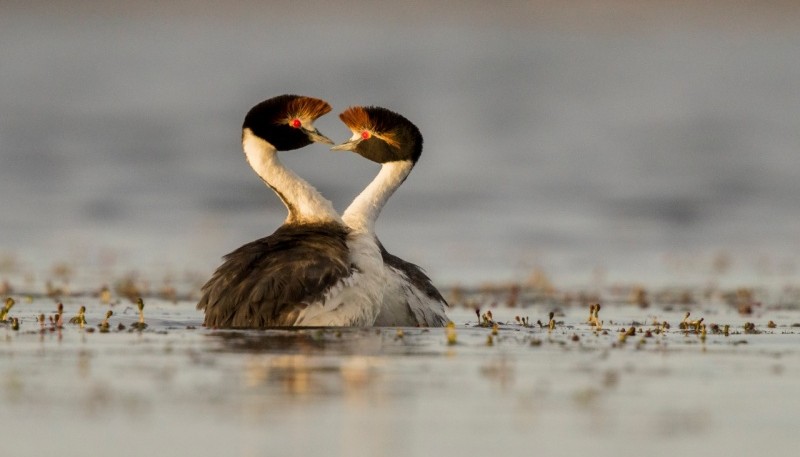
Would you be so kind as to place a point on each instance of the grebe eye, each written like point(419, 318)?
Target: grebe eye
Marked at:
point(365, 135)
point(296, 123)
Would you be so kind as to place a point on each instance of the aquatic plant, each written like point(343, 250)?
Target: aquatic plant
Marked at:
point(141, 325)
point(79, 318)
point(105, 295)
point(4, 312)
point(687, 324)
point(487, 320)
point(523, 321)
point(104, 325)
point(450, 332)
point(594, 316)
point(750, 327)
point(639, 297)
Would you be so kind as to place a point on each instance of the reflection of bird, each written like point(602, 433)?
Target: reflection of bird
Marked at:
point(385, 137)
point(312, 271)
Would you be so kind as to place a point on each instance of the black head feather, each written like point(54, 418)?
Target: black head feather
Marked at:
point(270, 120)
point(393, 137)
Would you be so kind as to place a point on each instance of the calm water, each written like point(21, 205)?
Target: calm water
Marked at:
point(639, 150)
point(183, 389)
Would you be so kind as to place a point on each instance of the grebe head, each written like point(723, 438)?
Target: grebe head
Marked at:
point(381, 135)
point(287, 121)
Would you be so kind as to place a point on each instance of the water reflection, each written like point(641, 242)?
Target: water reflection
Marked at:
point(301, 341)
point(305, 375)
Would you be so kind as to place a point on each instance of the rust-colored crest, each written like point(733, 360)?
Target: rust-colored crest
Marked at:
point(356, 119)
point(308, 107)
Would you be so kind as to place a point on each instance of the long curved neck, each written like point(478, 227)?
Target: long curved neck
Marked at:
point(366, 207)
point(304, 202)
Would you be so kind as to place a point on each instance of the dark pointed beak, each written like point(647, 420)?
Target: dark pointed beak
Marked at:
point(346, 146)
point(317, 137)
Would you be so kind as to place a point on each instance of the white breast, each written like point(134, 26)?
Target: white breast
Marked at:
point(355, 300)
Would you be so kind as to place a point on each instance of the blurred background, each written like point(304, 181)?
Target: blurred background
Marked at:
point(636, 140)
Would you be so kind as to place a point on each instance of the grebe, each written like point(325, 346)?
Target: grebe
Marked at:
point(385, 137)
point(314, 270)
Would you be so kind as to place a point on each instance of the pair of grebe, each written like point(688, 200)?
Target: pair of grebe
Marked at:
point(320, 268)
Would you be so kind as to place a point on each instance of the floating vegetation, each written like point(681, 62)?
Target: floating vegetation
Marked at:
point(4, 313)
point(80, 318)
point(639, 297)
point(696, 325)
point(750, 328)
point(594, 316)
point(104, 325)
point(5, 287)
point(105, 295)
point(141, 325)
point(486, 319)
point(450, 332)
point(58, 321)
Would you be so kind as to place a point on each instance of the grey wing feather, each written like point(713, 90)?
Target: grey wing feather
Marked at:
point(268, 282)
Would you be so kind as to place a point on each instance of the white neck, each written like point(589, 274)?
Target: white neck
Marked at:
point(304, 202)
point(365, 208)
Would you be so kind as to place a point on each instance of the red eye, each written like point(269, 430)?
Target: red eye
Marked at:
point(296, 123)
point(365, 135)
